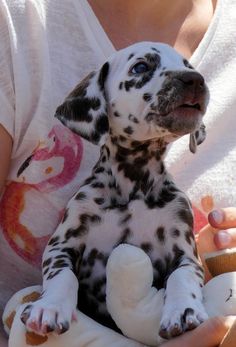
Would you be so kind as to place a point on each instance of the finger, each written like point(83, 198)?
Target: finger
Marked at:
point(225, 238)
point(213, 331)
point(223, 218)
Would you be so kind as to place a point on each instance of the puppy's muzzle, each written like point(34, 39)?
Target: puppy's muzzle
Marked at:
point(185, 89)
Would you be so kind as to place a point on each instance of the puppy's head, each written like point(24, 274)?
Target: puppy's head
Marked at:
point(145, 91)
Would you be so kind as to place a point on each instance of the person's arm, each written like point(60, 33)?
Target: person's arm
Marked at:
point(5, 155)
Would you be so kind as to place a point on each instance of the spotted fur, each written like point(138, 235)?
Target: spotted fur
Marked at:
point(143, 98)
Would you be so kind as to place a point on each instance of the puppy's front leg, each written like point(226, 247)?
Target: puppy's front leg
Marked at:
point(61, 263)
point(183, 308)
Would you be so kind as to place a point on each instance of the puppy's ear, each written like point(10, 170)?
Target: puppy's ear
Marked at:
point(197, 137)
point(84, 111)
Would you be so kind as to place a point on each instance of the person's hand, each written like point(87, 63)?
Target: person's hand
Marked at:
point(208, 334)
point(219, 234)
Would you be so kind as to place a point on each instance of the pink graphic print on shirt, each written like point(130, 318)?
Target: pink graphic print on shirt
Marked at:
point(28, 213)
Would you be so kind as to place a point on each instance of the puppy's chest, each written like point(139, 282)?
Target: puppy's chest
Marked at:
point(150, 229)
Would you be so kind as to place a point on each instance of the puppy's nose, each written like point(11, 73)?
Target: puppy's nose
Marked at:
point(192, 79)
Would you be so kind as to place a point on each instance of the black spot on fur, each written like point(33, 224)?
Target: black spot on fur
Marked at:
point(186, 216)
point(147, 247)
point(122, 138)
point(92, 257)
point(54, 240)
point(76, 232)
point(160, 274)
point(165, 196)
point(102, 125)
point(126, 218)
point(99, 169)
point(45, 271)
point(133, 119)
point(60, 263)
point(53, 274)
point(80, 196)
point(147, 97)
point(98, 285)
point(129, 84)
point(189, 236)
point(175, 233)
point(199, 274)
point(156, 50)
point(160, 233)
point(83, 228)
point(74, 256)
point(140, 162)
point(178, 252)
point(89, 180)
point(125, 235)
point(130, 56)
point(103, 75)
point(54, 249)
point(178, 255)
point(116, 114)
point(47, 262)
point(154, 59)
point(98, 185)
point(187, 64)
point(89, 218)
point(99, 201)
point(77, 109)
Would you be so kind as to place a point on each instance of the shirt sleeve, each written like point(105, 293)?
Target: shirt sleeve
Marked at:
point(7, 114)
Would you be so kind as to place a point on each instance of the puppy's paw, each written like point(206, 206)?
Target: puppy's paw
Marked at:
point(43, 316)
point(177, 320)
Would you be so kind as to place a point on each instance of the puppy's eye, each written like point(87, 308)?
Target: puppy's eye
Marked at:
point(140, 68)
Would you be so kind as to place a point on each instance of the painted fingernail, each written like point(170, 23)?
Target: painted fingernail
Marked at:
point(217, 216)
point(224, 238)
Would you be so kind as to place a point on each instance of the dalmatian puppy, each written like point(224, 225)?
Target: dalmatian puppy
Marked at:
point(144, 97)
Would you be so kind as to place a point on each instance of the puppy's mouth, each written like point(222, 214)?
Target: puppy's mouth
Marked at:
point(181, 118)
point(185, 108)
point(196, 106)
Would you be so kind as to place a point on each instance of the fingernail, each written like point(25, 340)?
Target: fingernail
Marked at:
point(224, 238)
point(217, 216)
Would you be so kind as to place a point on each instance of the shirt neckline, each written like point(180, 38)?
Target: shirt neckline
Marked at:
point(207, 39)
point(107, 47)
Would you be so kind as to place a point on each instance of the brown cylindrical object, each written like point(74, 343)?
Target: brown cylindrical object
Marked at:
point(221, 262)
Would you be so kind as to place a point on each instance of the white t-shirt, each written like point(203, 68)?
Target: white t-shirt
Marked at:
point(46, 48)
